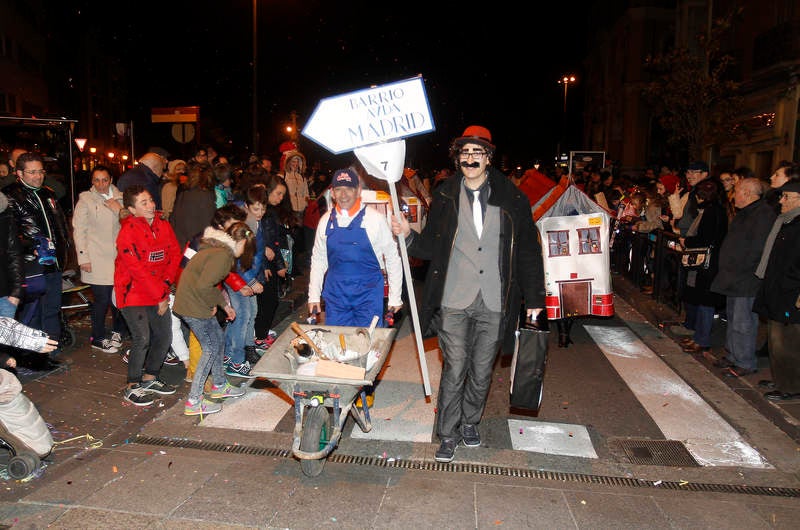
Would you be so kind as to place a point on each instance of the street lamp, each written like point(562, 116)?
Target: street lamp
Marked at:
point(81, 143)
point(255, 77)
point(567, 80)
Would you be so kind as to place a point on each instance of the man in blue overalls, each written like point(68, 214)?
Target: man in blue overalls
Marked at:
point(353, 244)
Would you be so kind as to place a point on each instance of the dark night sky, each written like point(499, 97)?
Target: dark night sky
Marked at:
point(484, 63)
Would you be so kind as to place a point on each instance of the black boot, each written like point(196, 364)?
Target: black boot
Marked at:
point(564, 326)
point(563, 332)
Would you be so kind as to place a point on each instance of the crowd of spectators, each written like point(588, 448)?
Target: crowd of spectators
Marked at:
point(732, 210)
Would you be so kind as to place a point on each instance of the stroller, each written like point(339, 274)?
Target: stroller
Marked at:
point(72, 299)
point(23, 432)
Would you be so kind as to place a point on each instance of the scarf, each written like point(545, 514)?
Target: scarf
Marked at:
point(773, 234)
point(692, 231)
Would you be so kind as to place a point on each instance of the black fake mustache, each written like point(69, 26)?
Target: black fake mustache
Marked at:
point(470, 164)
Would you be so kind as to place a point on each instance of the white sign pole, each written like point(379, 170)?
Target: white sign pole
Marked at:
point(385, 161)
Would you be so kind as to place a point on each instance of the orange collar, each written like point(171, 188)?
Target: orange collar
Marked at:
point(352, 211)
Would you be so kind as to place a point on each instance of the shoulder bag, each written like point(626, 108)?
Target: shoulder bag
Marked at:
point(696, 258)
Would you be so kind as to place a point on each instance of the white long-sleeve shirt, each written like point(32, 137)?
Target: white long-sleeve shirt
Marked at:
point(383, 244)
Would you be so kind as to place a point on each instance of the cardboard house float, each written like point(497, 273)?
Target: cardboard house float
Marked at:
point(574, 231)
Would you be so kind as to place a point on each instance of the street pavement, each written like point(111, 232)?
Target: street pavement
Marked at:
point(617, 455)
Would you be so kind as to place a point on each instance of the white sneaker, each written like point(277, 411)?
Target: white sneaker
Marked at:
point(104, 345)
point(116, 339)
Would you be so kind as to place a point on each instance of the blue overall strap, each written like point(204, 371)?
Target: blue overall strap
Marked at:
point(353, 289)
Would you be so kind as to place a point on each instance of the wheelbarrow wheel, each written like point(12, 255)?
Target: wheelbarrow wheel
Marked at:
point(316, 434)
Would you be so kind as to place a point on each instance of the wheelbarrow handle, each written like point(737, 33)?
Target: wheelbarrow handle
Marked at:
point(302, 334)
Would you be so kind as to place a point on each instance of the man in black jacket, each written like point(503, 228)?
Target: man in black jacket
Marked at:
point(738, 258)
point(485, 257)
point(11, 276)
point(44, 241)
point(779, 297)
point(147, 173)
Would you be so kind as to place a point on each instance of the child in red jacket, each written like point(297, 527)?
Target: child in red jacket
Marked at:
point(148, 257)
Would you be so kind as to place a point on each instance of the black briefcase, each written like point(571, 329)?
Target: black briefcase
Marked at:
point(528, 362)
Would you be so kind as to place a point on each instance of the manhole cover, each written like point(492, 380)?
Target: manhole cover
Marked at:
point(658, 453)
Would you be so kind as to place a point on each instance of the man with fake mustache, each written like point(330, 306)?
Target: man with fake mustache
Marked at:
point(485, 259)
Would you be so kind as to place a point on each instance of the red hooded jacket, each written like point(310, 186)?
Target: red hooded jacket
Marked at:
point(148, 257)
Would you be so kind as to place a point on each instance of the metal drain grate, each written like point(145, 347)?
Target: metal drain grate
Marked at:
point(481, 469)
point(658, 453)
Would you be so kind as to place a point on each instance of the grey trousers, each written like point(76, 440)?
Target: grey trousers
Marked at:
point(469, 339)
point(784, 357)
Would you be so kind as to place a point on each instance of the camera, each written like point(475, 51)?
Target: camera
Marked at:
point(46, 250)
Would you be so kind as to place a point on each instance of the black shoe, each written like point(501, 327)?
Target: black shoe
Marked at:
point(696, 348)
point(138, 396)
point(251, 355)
point(172, 359)
point(157, 387)
point(766, 383)
point(738, 371)
point(51, 364)
point(724, 363)
point(777, 395)
point(470, 435)
point(447, 450)
point(104, 345)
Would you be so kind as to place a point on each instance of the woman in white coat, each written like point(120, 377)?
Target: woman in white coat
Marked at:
point(95, 225)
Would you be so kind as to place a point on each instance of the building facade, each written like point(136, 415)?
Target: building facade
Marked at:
point(765, 41)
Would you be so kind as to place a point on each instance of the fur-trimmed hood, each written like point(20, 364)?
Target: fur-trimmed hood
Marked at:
point(288, 155)
point(214, 237)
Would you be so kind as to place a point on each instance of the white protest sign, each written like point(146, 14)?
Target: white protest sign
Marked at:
point(370, 116)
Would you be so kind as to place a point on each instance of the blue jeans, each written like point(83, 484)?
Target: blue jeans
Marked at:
point(7, 309)
point(212, 341)
point(700, 318)
point(43, 311)
point(742, 331)
point(102, 301)
point(241, 331)
point(469, 339)
point(151, 335)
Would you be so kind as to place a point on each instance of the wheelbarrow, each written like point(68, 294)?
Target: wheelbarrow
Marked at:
point(323, 398)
